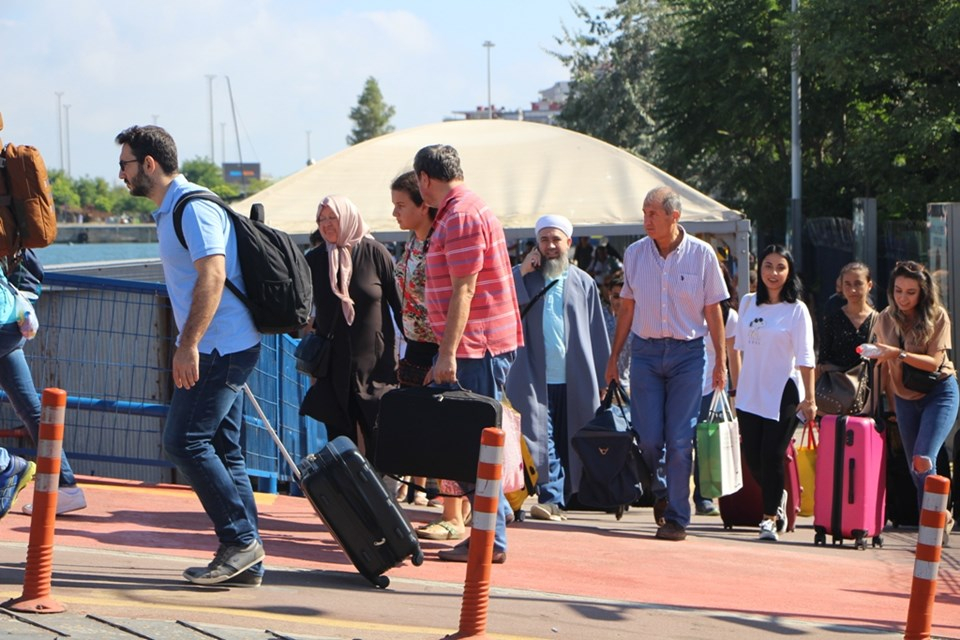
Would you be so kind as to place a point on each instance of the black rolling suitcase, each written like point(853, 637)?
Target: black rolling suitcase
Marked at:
point(348, 495)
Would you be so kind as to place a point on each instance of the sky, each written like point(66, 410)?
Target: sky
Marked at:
point(294, 66)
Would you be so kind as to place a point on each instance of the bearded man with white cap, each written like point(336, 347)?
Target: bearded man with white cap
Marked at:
point(565, 338)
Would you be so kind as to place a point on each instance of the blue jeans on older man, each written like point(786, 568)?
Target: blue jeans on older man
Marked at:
point(17, 383)
point(487, 376)
point(202, 437)
point(666, 379)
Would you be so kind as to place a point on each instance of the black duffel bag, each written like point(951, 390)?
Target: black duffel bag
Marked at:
point(432, 432)
point(614, 474)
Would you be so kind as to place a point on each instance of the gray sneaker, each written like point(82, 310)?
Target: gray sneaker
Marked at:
point(230, 562)
point(547, 511)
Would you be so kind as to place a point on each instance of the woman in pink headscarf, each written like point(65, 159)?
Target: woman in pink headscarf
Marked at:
point(355, 293)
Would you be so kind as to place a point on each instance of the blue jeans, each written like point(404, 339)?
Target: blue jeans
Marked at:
point(202, 438)
point(666, 377)
point(487, 376)
point(17, 383)
point(551, 489)
point(925, 425)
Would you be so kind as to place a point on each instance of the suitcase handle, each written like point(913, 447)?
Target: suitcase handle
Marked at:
point(273, 434)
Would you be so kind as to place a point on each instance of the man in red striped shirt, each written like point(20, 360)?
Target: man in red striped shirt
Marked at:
point(470, 295)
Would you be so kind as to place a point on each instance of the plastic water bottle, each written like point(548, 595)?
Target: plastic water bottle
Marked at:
point(869, 350)
point(28, 325)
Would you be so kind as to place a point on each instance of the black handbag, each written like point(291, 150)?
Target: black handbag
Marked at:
point(432, 432)
point(614, 472)
point(917, 379)
point(313, 352)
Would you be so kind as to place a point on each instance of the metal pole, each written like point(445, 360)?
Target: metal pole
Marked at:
point(60, 125)
point(223, 142)
point(309, 157)
point(489, 45)
point(796, 213)
point(155, 116)
point(210, 85)
point(66, 118)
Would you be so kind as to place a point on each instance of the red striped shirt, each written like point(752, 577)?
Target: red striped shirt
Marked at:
point(468, 239)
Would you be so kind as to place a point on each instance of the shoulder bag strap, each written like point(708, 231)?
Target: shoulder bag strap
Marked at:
point(535, 298)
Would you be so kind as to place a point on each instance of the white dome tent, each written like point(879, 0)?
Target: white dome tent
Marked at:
point(522, 170)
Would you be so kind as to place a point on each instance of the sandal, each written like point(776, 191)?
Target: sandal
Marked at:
point(439, 530)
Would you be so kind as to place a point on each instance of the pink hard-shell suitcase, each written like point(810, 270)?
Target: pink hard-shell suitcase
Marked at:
point(850, 482)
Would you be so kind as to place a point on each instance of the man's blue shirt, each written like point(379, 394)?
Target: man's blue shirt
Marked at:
point(208, 231)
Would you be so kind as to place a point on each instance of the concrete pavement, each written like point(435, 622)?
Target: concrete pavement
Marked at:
point(117, 565)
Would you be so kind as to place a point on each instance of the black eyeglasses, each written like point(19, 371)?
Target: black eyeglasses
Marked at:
point(124, 163)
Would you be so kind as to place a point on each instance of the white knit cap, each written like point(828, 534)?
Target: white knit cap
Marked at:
point(554, 222)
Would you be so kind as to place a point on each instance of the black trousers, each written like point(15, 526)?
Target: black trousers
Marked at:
point(764, 445)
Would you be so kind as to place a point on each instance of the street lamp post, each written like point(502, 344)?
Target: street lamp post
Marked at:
point(488, 45)
point(309, 156)
point(66, 118)
point(796, 215)
point(60, 125)
point(210, 88)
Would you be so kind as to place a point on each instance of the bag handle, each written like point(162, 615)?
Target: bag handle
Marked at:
point(720, 406)
point(808, 439)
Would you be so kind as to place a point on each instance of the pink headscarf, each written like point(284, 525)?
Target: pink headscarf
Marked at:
point(352, 229)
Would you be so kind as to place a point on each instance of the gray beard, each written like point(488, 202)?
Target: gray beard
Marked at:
point(553, 268)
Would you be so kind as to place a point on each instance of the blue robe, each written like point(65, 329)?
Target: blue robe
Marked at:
point(588, 348)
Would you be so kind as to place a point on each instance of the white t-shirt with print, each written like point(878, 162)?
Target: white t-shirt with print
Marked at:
point(774, 339)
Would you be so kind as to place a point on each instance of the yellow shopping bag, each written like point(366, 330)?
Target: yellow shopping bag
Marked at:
point(807, 465)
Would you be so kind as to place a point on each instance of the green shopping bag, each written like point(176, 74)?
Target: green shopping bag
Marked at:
point(807, 466)
point(718, 450)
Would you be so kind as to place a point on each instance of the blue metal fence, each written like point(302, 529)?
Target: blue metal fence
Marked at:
point(109, 344)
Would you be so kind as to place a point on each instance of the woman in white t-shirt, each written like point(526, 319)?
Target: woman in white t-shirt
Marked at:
point(706, 506)
point(775, 336)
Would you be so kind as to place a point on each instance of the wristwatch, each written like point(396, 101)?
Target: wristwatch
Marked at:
point(902, 355)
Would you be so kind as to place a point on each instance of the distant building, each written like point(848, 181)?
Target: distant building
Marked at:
point(545, 110)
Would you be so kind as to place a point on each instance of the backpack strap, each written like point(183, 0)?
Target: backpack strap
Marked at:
point(178, 209)
point(540, 294)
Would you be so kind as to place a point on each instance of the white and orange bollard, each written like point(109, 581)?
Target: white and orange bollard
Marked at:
point(486, 502)
point(37, 576)
point(933, 518)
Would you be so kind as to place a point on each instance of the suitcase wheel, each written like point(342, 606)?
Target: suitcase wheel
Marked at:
point(878, 541)
point(820, 538)
point(860, 543)
point(728, 527)
point(417, 558)
point(382, 582)
point(837, 541)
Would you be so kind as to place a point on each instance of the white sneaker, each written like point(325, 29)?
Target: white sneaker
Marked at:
point(69, 499)
point(768, 530)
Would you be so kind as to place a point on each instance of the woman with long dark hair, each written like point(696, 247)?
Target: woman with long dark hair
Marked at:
point(913, 332)
point(775, 336)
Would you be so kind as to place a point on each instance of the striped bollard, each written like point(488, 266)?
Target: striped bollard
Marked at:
point(36, 578)
point(486, 502)
point(933, 518)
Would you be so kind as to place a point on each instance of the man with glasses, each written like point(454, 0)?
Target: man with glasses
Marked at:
point(217, 349)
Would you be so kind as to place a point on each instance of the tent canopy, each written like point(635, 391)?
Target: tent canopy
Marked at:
point(521, 169)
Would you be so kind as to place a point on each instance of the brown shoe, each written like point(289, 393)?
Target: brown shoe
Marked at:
point(670, 530)
point(461, 553)
point(659, 508)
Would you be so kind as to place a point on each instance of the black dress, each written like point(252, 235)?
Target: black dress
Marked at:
point(363, 357)
point(840, 339)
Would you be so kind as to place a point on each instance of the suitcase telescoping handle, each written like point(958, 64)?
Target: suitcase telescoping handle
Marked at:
point(273, 434)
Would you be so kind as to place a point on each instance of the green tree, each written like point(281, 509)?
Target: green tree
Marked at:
point(371, 115)
point(94, 193)
point(207, 174)
point(64, 193)
point(610, 67)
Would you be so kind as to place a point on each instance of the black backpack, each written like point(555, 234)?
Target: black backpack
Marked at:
point(275, 271)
